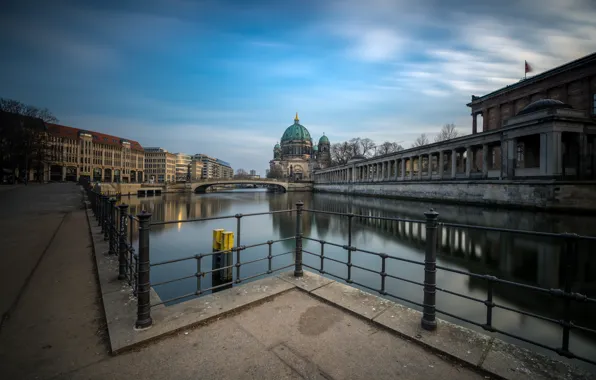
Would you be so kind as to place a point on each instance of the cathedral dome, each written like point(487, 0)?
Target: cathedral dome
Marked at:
point(315, 148)
point(323, 140)
point(295, 132)
point(277, 146)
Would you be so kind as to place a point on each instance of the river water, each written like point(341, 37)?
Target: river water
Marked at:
point(530, 260)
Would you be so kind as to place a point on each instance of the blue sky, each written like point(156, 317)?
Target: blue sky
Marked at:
point(226, 77)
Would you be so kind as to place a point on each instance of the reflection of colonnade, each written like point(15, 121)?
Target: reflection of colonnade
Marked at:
point(516, 257)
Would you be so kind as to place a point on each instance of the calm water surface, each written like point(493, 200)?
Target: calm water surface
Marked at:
point(531, 260)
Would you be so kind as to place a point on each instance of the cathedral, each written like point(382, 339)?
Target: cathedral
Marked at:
point(295, 157)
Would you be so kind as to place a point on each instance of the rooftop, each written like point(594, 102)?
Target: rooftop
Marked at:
point(65, 132)
point(589, 59)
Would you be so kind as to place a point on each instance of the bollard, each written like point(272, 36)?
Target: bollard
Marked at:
point(143, 274)
point(122, 249)
point(298, 263)
point(112, 237)
point(430, 272)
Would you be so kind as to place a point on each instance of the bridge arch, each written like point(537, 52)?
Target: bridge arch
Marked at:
point(202, 186)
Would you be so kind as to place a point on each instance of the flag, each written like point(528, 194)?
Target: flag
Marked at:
point(528, 67)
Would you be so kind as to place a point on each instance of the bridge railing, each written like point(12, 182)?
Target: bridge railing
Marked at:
point(135, 267)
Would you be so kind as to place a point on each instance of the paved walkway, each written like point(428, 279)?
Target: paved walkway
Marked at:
point(56, 329)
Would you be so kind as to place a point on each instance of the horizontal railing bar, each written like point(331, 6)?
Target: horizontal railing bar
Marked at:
point(458, 294)
point(520, 232)
point(396, 219)
point(268, 242)
point(283, 253)
point(529, 314)
point(365, 269)
point(582, 328)
point(174, 280)
point(213, 270)
point(219, 217)
point(254, 261)
point(405, 260)
point(193, 257)
point(405, 280)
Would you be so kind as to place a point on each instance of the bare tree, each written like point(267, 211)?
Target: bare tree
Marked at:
point(448, 132)
point(14, 106)
point(341, 152)
point(421, 140)
point(356, 146)
point(388, 147)
point(368, 146)
point(241, 173)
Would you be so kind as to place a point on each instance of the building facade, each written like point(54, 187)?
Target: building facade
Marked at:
point(214, 167)
point(196, 170)
point(295, 157)
point(160, 165)
point(77, 154)
point(573, 83)
point(182, 161)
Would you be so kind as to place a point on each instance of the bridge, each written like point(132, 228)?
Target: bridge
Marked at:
point(202, 185)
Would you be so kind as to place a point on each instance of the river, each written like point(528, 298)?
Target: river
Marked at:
point(531, 260)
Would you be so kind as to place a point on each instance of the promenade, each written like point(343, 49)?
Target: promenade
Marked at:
point(55, 325)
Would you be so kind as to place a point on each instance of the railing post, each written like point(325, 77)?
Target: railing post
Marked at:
point(107, 220)
point(298, 261)
point(430, 271)
point(123, 248)
point(100, 220)
point(569, 262)
point(143, 279)
point(110, 221)
point(112, 230)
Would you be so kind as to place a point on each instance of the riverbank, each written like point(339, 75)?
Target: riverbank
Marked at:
point(547, 195)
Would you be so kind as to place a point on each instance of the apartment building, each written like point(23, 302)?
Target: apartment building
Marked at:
point(182, 161)
point(77, 154)
point(214, 167)
point(160, 165)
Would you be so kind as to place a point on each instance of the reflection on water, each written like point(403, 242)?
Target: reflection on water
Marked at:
point(526, 259)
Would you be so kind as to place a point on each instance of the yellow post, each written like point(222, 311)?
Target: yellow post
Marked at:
point(222, 241)
point(217, 242)
point(227, 240)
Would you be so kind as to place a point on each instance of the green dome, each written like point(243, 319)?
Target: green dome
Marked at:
point(324, 140)
point(277, 146)
point(296, 131)
point(315, 148)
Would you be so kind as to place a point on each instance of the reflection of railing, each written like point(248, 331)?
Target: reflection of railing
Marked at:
point(138, 273)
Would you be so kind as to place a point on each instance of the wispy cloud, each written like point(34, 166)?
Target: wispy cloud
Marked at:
point(216, 77)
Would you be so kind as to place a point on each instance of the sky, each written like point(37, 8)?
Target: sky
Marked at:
point(225, 78)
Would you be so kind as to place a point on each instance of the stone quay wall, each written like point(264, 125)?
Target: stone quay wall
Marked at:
point(545, 195)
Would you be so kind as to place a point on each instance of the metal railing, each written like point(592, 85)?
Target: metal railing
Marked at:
point(136, 268)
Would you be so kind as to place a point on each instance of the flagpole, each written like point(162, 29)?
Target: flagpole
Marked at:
point(525, 71)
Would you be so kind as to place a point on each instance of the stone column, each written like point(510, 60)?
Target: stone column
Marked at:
point(453, 163)
point(469, 158)
point(484, 120)
point(411, 160)
point(474, 123)
point(485, 161)
point(403, 169)
point(64, 174)
point(554, 154)
point(543, 153)
point(511, 157)
point(420, 166)
point(583, 156)
point(396, 176)
point(440, 169)
point(430, 166)
point(382, 164)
